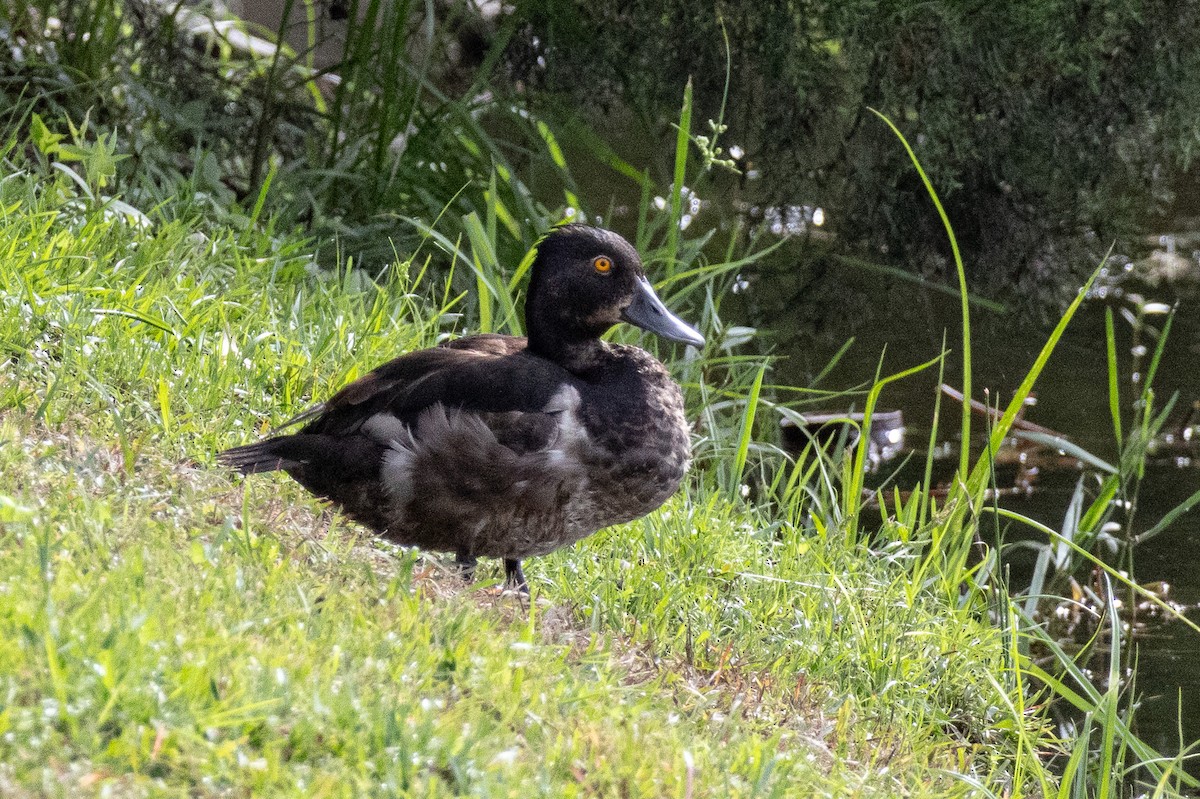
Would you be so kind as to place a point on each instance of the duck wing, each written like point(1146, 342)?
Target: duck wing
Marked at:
point(517, 396)
point(393, 377)
point(490, 375)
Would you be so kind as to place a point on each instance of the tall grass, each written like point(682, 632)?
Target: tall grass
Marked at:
point(1102, 755)
point(350, 154)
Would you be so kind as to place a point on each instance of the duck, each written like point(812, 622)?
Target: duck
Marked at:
point(503, 446)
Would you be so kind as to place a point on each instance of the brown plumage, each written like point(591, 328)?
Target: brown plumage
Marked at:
point(504, 446)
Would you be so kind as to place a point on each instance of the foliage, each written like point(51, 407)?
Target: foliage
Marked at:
point(1076, 117)
point(1036, 119)
point(352, 157)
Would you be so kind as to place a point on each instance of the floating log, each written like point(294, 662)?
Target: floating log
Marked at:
point(823, 429)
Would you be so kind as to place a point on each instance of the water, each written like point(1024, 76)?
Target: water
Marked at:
point(1072, 398)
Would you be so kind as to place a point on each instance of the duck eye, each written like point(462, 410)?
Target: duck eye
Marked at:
point(603, 264)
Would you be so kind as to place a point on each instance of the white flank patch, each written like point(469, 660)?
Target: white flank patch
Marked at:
point(386, 429)
point(396, 474)
point(571, 436)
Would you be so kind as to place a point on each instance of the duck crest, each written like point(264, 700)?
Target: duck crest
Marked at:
point(503, 446)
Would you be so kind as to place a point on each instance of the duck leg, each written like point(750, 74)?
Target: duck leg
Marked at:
point(513, 576)
point(466, 564)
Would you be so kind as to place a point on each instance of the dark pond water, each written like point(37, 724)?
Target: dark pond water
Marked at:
point(1072, 399)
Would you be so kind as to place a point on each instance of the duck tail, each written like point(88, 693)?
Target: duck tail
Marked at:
point(266, 456)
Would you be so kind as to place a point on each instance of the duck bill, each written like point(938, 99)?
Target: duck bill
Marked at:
point(648, 312)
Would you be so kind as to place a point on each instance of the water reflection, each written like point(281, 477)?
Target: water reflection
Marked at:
point(1036, 477)
point(784, 220)
point(830, 432)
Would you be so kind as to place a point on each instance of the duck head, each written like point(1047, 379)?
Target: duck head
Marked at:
point(584, 280)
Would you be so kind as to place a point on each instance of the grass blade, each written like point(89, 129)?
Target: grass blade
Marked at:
point(1114, 389)
point(964, 297)
point(747, 431)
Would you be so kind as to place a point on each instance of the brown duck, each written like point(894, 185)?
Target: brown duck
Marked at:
point(504, 446)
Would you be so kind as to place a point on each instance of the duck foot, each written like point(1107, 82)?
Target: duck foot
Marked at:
point(466, 565)
point(513, 576)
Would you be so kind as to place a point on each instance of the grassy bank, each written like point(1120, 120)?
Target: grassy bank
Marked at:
point(167, 628)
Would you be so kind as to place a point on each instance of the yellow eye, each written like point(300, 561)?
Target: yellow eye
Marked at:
point(603, 264)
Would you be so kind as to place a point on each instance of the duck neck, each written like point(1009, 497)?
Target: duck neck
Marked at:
point(578, 356)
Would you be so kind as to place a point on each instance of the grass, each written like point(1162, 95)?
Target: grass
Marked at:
point(154, 643)
point(166, 628)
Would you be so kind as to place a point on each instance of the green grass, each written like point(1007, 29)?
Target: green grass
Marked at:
point(151, 643)
point(167, 628)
